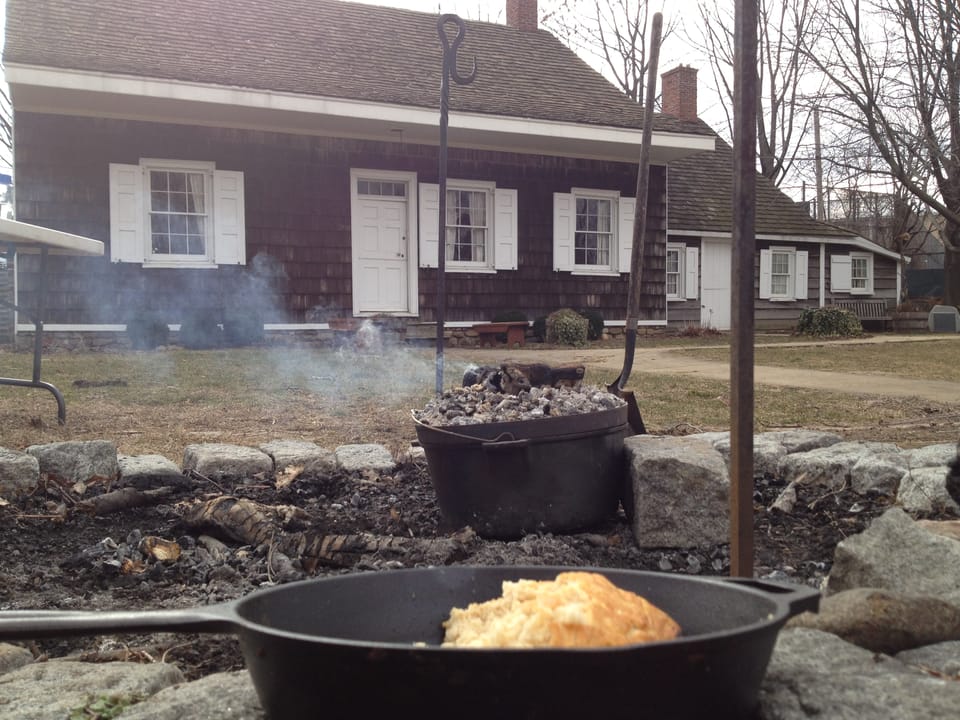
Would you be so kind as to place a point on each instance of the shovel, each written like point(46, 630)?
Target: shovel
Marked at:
point(639, 237)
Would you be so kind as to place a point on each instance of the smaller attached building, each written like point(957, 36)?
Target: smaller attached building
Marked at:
point(800, 262)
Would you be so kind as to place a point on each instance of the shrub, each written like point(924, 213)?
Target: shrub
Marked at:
point(828, 321)
point(540, 328)
point(567, 327)
point(696, 330)
point(594, 323)
point(242, 327)
point(147, 330)
point(200, 330)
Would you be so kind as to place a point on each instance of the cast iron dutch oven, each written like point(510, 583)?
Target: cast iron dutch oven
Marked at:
point(367, 645)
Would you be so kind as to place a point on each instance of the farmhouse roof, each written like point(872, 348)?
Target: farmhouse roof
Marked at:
point(322, 48)
point(701, 193)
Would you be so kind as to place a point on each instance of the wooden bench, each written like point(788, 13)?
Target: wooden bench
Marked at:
point(867, 309)
point(488, 332)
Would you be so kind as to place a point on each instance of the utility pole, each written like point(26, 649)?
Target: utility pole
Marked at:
point(818, 163)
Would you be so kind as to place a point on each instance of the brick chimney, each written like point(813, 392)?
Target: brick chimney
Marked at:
point(680, 92)
point(522, 14)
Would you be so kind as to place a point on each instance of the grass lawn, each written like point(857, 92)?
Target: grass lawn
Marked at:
point(161, 401)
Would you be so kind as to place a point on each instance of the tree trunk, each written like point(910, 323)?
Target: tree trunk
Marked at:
point(951, 265)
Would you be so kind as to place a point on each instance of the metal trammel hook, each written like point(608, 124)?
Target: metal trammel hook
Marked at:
point(450, 49)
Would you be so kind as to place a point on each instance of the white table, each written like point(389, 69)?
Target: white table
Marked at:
point(22, 237)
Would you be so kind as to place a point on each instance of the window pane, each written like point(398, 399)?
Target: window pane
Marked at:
point(177, 182)
point(593, 237)
point(159, 201)
point(178, 244)
point(161, 244)
point(779, 285)
point(673, 261)
point(780, 264)
point(178, 212)
point(466, 221)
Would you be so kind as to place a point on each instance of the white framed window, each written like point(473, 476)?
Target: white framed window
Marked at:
point(592, 231)
point(480, 226)
point(783, 274)
point(682, 271)
point(852, 273)
point(176, 213)
point(593, 236)
point(467, 227)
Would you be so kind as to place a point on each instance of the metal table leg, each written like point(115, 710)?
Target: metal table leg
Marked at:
point(36, 382)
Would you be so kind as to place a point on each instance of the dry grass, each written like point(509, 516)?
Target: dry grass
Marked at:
point(930, 359)
point(162, 401)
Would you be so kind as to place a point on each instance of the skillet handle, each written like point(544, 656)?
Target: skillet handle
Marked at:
point(30, 624)
point(797, 598)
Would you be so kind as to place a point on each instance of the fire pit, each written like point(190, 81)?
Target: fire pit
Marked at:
point(545, 460)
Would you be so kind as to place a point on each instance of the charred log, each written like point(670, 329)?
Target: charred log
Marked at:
point(514, 378)
point(124, 499)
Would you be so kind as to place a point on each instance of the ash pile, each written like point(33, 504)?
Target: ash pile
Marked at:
point(512, 392)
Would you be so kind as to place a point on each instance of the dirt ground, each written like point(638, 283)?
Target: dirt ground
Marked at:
point(56, 554)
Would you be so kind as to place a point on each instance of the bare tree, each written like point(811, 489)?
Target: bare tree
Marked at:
point(894, 73)
point(784, 108)
point(614, 32)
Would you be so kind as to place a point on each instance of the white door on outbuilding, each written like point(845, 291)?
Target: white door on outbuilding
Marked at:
point(715, 284)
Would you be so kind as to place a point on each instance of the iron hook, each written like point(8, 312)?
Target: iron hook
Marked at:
point(450, 49)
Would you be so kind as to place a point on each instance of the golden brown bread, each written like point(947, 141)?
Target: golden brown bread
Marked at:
point(578, 609)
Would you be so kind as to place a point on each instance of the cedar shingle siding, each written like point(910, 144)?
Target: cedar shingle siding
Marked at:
point(298, 223)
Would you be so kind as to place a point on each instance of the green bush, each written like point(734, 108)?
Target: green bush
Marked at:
point(147, 330)
point(567, 327)
point(594, 323)
point(200, 330)
point(829, 321)
point(540, 328)
point(242, 326)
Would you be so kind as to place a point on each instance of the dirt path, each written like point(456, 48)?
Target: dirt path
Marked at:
point(669, 361)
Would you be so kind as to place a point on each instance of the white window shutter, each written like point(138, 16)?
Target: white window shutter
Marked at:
point(765, 273)
point(229, 218)
point(127, 214)
point(691, 281)
point(628, 211)
point(564, 217)
point(801, 277)
point(505, 229)
point(870, 275)
point(840, 273)
point(429, 225)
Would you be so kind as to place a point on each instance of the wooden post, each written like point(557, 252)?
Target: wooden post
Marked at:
point(742, 288)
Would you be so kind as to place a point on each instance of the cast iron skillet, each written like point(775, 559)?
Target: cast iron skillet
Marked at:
point(368, 645)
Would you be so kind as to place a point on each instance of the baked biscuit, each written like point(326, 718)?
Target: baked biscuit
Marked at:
point(577, 609)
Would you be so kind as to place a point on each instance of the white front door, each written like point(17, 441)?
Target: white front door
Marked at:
point(381, 239)
point(715, 284)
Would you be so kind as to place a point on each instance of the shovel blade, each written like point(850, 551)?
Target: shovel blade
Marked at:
point(634, 418)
